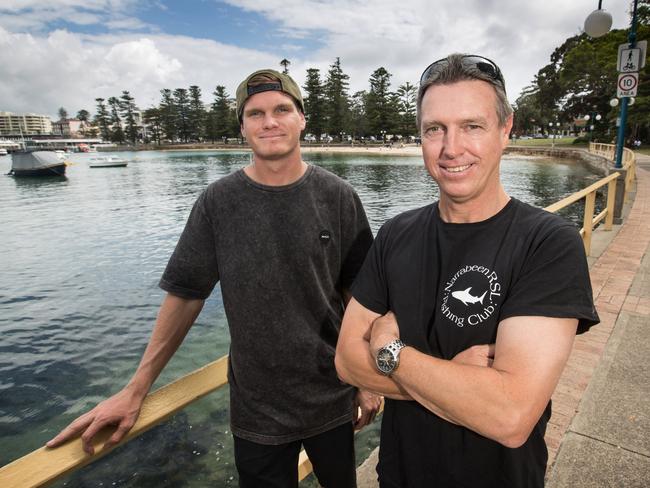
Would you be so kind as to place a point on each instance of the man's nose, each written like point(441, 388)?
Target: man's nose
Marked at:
point(270, 121)
point(452, 143)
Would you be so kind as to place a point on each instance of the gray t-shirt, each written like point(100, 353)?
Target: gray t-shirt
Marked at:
point(283, 256)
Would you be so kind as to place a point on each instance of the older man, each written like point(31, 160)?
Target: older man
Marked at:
point(476, 268)
point(285, 240)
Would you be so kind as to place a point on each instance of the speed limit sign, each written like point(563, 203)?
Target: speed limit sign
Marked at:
point(627, 84)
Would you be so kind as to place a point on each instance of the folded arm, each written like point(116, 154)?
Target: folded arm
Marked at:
point(502, 402)
point(354, 362)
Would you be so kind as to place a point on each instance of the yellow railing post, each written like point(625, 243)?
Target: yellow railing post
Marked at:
point(590, 205)
point(611, 199)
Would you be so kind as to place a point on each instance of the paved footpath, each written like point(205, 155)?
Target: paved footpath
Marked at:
point(599, 434)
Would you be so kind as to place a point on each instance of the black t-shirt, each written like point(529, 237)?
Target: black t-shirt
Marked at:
point(450, 285)
point(283, 255)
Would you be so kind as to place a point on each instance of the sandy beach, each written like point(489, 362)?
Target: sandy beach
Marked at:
point(410, 150)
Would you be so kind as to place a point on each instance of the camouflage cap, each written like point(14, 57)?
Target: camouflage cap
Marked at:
point(284, 84)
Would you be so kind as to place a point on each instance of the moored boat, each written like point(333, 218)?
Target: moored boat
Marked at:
point(36, 163)
point(107, 162)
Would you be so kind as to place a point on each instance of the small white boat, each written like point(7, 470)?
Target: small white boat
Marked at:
point(3, 151)
point(107, 162)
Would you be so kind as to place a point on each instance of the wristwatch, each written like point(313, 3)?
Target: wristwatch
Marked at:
point(387, 358)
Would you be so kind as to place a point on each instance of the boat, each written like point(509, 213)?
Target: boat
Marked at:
point(36, 163)
point(107, 162)
point(3, 151)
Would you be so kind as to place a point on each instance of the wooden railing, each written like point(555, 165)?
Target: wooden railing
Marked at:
point(589, 222)
point(628, 162)
point(44, 466)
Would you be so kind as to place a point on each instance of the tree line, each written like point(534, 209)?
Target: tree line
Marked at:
point(580, 80)
point(330, 111)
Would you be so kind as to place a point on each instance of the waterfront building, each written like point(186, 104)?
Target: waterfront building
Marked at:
point(68, 128)
point(24, 124)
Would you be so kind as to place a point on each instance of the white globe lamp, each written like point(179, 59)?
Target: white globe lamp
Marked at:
point(598, 23)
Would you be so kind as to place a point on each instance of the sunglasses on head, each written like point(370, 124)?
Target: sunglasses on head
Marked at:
point(484, 65)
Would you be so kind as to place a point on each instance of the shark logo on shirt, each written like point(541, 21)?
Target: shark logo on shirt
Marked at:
point(460, 306)
point(466, 297)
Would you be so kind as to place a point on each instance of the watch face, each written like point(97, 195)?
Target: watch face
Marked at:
point(385, 360)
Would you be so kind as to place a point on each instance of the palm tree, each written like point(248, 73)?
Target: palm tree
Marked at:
point(285, 63)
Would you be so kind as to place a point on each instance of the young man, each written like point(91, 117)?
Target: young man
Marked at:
point(475, 268)
point(285, 240)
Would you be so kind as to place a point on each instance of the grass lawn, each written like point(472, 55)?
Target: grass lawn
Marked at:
point(558, 141)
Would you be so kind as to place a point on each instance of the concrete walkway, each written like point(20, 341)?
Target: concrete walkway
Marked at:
point(599, 434)
point(600, 430)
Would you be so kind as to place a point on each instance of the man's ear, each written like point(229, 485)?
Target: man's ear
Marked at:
point(507, 128)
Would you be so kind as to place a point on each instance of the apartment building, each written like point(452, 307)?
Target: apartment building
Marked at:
point(28, 124)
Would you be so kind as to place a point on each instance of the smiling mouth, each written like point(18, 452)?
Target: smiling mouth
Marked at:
point(457, 169)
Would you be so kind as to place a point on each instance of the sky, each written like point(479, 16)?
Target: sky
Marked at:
point(67, 53)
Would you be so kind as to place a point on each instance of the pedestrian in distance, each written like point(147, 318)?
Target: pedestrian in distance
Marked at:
point(465, 310)
point(285, 240)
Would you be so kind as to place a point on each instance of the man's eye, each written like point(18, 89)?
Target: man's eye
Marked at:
point(433, 129)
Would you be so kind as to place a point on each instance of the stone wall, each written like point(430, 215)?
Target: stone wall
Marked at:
point(598, 163)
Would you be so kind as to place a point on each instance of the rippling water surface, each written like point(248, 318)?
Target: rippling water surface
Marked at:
point(80, 261)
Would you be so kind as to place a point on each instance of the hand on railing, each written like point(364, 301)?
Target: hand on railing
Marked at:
point(121, 410)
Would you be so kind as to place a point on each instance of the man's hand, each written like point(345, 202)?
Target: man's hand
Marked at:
point(369, 403)
point(120, 410)
point(175, 317)
point(480, 355)
point(384, 330)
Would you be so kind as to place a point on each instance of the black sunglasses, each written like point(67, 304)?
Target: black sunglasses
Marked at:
point(484, 65)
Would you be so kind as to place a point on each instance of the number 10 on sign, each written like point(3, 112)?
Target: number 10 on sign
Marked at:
point(627, 84)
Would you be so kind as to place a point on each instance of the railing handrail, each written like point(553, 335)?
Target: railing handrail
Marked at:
point(44, 466)
point(574, 197)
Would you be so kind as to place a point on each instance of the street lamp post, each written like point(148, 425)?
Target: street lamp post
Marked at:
point(554, 134)
point(594, 117)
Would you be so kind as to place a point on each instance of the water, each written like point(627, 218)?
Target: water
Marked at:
point(80, 262)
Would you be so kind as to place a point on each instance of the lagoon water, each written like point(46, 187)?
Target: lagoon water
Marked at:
point(80, 261)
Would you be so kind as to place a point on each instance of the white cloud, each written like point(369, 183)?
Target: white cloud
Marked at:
point(36, 15)
point(41, 71)
point(41, 74)
point(406, 36)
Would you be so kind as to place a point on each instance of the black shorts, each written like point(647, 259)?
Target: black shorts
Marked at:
point(276, 466)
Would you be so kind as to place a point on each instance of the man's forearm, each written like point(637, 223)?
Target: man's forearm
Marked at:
point(356, 366)
point(475, 397)
point(502, 402)
point(175, 317)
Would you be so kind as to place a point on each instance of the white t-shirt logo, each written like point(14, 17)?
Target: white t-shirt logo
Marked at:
point(466, 297)
point(475, 290)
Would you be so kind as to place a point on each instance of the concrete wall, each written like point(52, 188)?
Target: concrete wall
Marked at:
point(598, 163)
